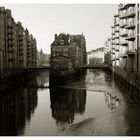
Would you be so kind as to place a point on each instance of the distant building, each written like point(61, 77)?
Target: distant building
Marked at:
point(78, 50)
point(107, 53)
point(42, 58)
point(96, 56)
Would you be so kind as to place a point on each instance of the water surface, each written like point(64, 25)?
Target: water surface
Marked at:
point(38, 111)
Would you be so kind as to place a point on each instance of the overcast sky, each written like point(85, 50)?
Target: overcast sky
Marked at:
point(44, 20)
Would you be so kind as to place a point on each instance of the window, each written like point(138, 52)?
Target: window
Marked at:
point(138, 28)
point(138, 15)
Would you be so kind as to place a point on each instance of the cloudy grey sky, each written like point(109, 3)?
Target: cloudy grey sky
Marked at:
point(44, 20)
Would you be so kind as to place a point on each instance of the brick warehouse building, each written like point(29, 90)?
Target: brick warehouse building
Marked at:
point(68, 54)
point(69, 48)
point(17, 47)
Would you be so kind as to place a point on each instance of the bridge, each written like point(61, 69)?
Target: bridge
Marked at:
point(88, 66)
point(95, 66)
point(38, 68)
point(38, 86)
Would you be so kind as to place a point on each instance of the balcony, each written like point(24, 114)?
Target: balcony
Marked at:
point(122, 25)
point(10, 25)
point(116, 36)
point(21, 49)
point(124, 55)
point(113, 37)
point(113, 51)
point(123, 15)
point(113, 42)
point(117, 62)
point(20, 44)
point(20, 35)
point(113, 57)
point(11, 59)
point(29, 43)
point(113, 47)
point(113, 33)
point(10, 37)
point(117, 48)
point(131, 13)
point(117, 56)
point(10, 50)
point(130, 37)
point(10, 31)
point(125, 51)
point(123, 34)
point(116, 29)
point(116, 14)
point(130, 25)
point(21, 60)
point(121, 6)
point(28, 50)
point(20, 38)
point(129, 4)
point(21, 54)
point(116, 24)
point(121, 54)
point(10, 43)
point(116, 41)
point(124, 6)
point(131, 52)
point(123, 42)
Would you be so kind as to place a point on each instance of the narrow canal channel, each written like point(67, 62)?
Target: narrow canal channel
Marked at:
point(91, 105)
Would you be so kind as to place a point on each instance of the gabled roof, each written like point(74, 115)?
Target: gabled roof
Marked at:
point(57, 43)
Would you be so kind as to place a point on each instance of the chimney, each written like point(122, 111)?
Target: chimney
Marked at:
point(55, 37)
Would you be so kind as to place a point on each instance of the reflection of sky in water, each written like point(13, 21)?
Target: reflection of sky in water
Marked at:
point(53, 110)
point(65, 103)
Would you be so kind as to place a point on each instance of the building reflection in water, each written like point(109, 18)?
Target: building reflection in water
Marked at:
point(111, 101)
point(43, 78)
point(40, 80)
point(65, 103)
point(16, 110)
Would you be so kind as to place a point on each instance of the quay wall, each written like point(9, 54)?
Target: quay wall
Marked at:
point(132, 86)
point(61, 78)
point(17, 80)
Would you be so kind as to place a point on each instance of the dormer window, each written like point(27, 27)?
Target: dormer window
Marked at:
point(61, 42)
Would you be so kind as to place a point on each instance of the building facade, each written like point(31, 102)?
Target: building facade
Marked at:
point(68, 54)
point(96, 56)
point(43, 59)
point(70, 50)
point(17, 47)
point(107, 52)
point(125, 41)
point(78, 50)
point(60, 53)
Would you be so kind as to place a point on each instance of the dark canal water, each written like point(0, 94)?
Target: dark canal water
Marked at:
point(35, 111)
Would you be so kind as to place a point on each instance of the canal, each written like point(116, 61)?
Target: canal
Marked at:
point(94, 104)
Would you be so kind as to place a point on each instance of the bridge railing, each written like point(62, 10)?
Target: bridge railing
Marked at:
point(94, 66)
point(38, 67)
